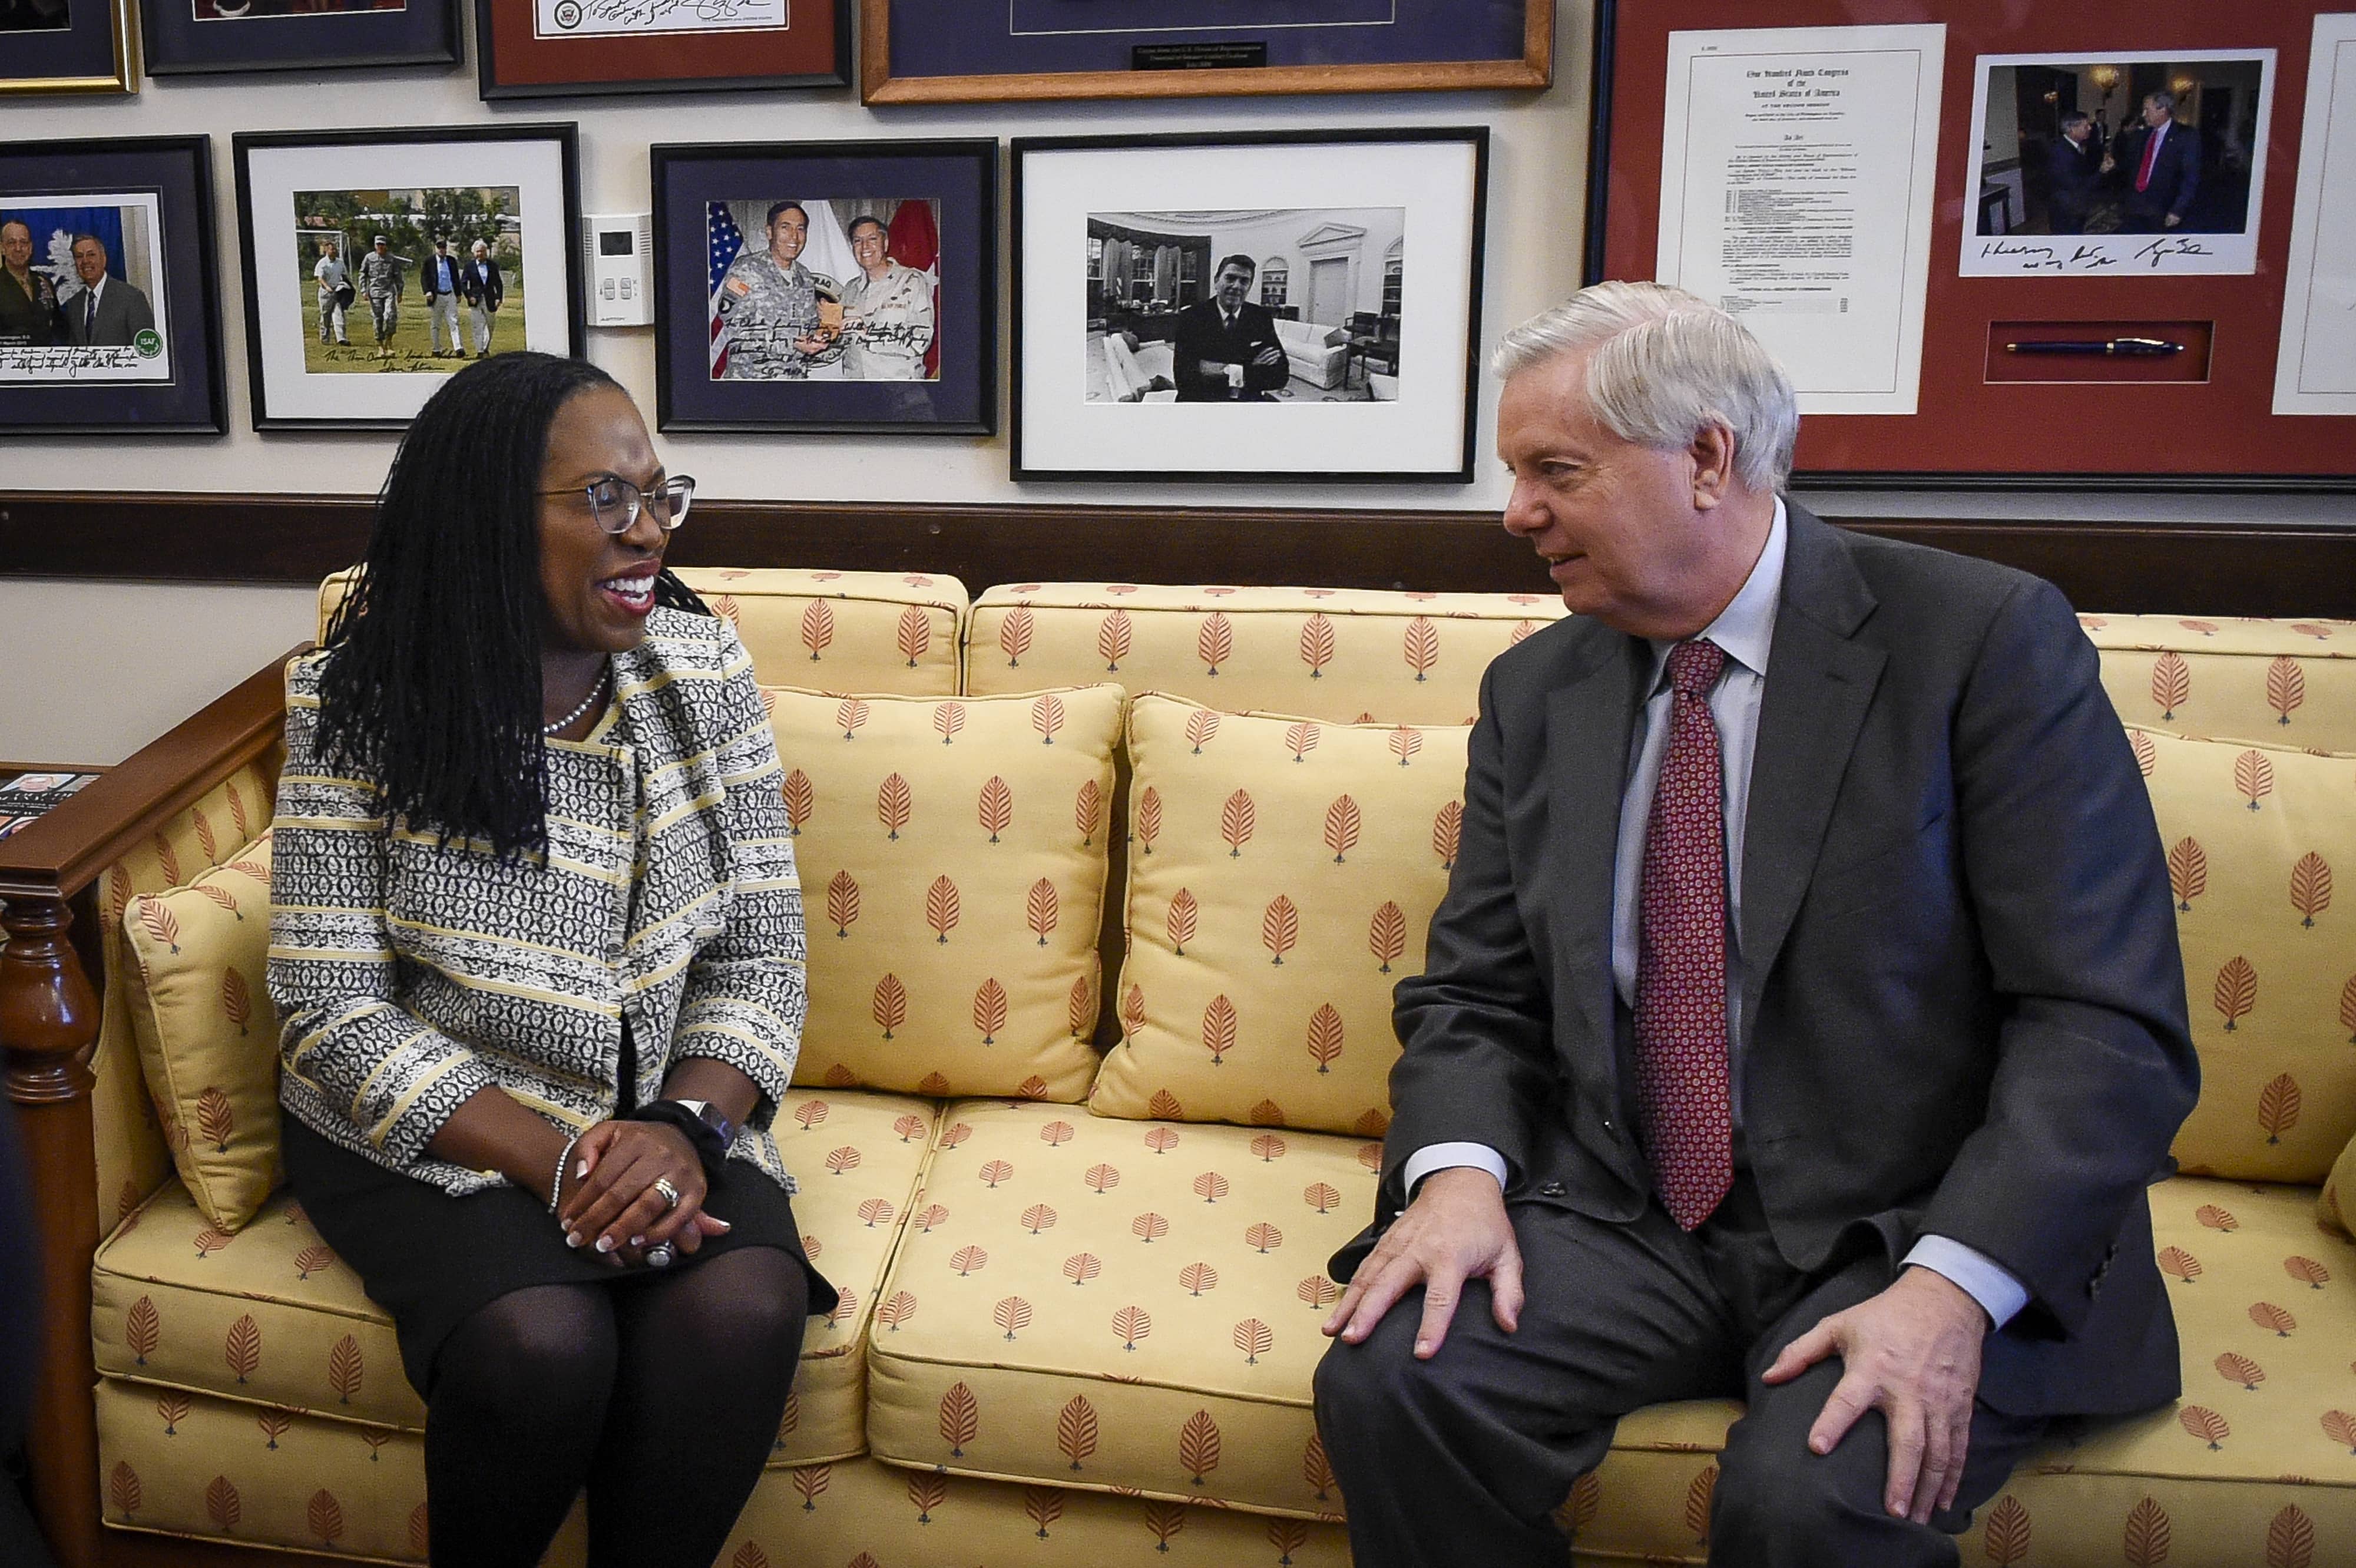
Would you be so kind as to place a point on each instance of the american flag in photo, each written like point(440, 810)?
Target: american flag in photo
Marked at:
point(727, 240)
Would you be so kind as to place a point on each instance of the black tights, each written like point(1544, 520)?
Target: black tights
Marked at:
point(661, 1396)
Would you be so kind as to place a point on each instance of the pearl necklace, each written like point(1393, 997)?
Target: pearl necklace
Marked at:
point(569, 720)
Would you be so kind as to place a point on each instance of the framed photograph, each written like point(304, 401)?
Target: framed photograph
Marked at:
point(197, 36)
point(67, 45)
point(544, 49)
point(845, 287)
point(377, 262)
point(109, 309)
point(1997, 246)
point(942, 51)
point(1282, 306)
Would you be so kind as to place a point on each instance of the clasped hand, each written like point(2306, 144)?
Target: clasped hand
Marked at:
point(1911, 1352)
point(610, 1204)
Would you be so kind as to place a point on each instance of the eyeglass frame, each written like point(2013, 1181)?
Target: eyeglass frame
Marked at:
point(671, 515)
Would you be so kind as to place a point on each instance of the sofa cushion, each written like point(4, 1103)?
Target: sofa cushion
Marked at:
point(271, 1317)
point(2336, 1208)
point(2253, 834)
point(864, 1514)
point(1334, 654)
point(2258, 1456)
point(207, 1034)
point(1282, 875)
point(953, 855)
point(1104, 1305)
point(2290, 681)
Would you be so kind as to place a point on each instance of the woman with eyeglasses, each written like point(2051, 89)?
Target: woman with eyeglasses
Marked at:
point(537, 942)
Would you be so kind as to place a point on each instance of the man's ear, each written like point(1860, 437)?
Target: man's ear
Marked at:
point(1713, 459)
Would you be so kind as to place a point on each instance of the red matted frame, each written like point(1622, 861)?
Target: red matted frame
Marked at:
point(814, 50)
point(1974, 430)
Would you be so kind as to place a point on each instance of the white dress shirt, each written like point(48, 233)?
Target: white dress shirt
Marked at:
point(1744, 632)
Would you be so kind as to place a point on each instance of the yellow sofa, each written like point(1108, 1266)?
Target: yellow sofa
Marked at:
point(1082, 1333)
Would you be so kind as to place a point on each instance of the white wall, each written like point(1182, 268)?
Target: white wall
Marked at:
point(97, 670)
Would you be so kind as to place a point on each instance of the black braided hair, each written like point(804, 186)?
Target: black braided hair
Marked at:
point(431, 687)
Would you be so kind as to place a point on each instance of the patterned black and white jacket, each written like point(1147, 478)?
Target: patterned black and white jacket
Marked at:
point(413, 974)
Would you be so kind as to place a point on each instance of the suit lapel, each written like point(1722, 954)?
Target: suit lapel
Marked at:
point(1589, 719)
point(1819, 685)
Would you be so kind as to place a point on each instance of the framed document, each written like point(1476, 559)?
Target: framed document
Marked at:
point(67, 45)
point(378, 263)
point(1286, 306)
point(944, 52)
point(2316, 373)
point(197, 36)
point(1995, 245)
point(110, 307)
point(546, 49)
point(835, 286)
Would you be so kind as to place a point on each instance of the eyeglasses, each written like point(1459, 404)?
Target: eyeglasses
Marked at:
point(614, 502)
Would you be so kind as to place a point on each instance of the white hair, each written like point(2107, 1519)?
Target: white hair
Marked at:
point(1661, 364)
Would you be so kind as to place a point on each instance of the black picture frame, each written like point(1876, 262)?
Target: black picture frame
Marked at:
point(1456, 410)
point(654, 62)
point(958, 176)
point(556, 195)
point(181, 43)
point(175, 174)
point(91, 54)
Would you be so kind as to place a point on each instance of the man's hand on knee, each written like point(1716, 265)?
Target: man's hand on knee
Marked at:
point(1455, 1229)
point(1913, 1353)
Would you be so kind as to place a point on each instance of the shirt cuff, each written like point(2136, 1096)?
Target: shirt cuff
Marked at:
point(1449, 1156)
point(1975, 1273)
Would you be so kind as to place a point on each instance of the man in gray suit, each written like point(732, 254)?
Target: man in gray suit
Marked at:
point(108, 313)
point(1803, 1022)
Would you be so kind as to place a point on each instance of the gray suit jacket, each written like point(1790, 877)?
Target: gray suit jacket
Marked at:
point(122, 313)
point(1961, 973)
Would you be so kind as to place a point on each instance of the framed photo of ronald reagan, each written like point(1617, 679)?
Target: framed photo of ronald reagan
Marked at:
point(949, 51)
point(1230, 307)
point(379, 263)
point(67, 45)
point(826, 286)
point(110, 310)
point(545, 48)
point(190, 36)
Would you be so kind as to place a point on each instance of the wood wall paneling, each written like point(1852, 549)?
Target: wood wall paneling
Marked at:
point(2123, 568)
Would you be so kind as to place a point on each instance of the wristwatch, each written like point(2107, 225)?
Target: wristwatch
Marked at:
point(704, 1123)
point(711, 1116)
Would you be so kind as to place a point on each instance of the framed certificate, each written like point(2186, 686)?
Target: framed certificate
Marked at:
point(1995, 245)
point(946, 51)
point(191, 37)
point(547, 49)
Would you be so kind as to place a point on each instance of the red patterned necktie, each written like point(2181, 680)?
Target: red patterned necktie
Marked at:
point(1681, 1068)
point(2150, 156)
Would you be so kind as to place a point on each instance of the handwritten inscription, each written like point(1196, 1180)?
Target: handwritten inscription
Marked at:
point(2168, 253)
point(22, 361)
point(610, 18)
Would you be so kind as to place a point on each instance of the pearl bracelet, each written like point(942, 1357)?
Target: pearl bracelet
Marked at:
point(556, 1188)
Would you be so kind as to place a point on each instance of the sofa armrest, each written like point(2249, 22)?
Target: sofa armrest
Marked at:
point(50, 1012)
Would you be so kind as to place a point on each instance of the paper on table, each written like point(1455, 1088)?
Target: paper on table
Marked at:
point(2316, 369)
point(1797, 169)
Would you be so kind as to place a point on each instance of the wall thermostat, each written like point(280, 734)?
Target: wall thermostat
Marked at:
point(618, 256)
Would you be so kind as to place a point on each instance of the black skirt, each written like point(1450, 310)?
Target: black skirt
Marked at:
point(432, 1260)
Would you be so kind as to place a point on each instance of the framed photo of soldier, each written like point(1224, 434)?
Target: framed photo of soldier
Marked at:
point(378, 263)
point(67, 45)
point(1289, 306)
point(545, 48)
point(826, 286)
point(943, 51)
point(189, 36)
point(109, 317)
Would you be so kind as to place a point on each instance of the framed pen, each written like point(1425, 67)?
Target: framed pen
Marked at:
point(2000, 246)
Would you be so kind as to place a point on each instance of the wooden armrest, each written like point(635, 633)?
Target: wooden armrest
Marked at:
point(50, 1019)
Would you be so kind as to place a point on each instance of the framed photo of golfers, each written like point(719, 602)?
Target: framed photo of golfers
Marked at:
point(67, 45)
point(1235, 308)
point(378, 263)
point(110, 313)
point(545, 48)
point(826, 286)
point(187, 37)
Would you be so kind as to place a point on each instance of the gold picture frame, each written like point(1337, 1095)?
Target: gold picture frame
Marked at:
point(122, 18)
